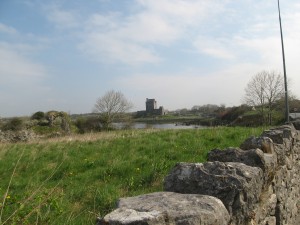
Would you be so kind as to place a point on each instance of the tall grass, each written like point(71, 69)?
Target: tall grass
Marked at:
point(75, 179)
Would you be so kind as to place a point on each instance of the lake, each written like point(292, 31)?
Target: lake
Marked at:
point(141, 125)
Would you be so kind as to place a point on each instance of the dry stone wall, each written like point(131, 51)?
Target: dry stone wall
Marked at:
point(255, 184)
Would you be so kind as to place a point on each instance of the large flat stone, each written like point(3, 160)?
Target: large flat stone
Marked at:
point(164, 208)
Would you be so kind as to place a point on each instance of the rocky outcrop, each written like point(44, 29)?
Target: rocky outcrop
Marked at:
point(256, 184)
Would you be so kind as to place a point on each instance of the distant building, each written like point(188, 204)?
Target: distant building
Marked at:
point(151, 109)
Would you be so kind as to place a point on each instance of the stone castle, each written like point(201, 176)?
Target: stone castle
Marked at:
point(151, 109)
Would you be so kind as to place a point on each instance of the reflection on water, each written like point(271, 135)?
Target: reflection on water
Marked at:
point(157, 126)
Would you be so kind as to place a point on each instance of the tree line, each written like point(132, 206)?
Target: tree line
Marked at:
point(263, 104)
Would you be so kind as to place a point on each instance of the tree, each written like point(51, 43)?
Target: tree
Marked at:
point(110, 106)
point(263, 90)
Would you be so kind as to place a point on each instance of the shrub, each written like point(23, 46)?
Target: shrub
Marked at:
point(233, 113)
point(45, 130)
point(88, 124)
point(38, 115)
point(15, 124)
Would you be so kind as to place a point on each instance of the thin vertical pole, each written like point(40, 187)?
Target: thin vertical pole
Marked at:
point(287, 118)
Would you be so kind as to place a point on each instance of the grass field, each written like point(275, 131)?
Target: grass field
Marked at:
point(73, 180)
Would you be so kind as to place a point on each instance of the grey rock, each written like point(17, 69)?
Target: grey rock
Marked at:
point(253, 157)
point(284, 138)
point(236, 184)
point(163, 208)
point(278, 134)
point(263, 143)
point(275, 135)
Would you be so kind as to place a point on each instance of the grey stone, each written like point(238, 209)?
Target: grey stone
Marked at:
point(278, 134)
point(263, 143)
point(236, 184)
point(275, 135)
point(253, 157)
point(164, 208)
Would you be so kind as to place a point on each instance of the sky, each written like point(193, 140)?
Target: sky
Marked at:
point(64, 54)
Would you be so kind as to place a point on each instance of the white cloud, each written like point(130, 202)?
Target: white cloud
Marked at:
point(7, 29)
point(21, 80)
point(15, 69)
point(149, 28)
point(183, 12)
point(134, 39)
point(62, 19)
point(223, 49)
point(105, 49)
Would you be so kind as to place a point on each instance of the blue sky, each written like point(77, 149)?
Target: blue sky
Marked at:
point(64, 54)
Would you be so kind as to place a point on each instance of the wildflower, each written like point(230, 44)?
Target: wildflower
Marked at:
point(8, 197)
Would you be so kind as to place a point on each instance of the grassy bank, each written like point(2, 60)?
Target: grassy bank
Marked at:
point(75, 179)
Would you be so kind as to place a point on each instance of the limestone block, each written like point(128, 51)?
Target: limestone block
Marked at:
point(275, 135)
point(263, 143)
point(278, 134)
point(253, 157)
point(164, 208)
point(236, 184)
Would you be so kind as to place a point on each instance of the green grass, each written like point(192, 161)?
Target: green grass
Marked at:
point(72, 181)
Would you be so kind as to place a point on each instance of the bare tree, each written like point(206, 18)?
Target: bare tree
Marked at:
point(262, 91)
point(110, 106)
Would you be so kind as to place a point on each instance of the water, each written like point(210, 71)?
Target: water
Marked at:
point(140, 125)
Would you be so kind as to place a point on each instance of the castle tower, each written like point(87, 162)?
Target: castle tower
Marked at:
point(150, 105)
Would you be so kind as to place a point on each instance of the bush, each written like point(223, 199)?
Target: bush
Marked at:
point(88, 124)
point(233, 113)
point(38, 115)
point(15, 124)
point(46, 130)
